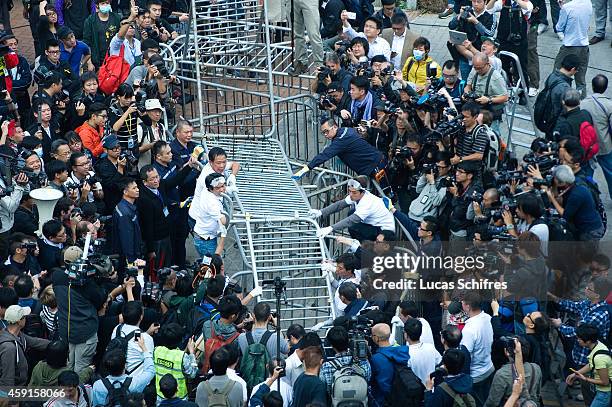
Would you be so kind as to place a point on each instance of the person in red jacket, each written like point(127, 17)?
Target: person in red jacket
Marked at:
point(92, 131)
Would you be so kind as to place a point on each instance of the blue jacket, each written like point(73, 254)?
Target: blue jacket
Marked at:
point(23, 76)
point(353, 150)
point(461, 384)
point(382, 370)
point(127, 238)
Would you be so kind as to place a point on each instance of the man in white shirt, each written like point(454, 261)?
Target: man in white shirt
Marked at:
point(218, 163)
point(345, 269)
point(234, 355)
point(209, 220)
point(408, 310)
point(125, 37)
point(132, 316)
point(371, 216)
point(478, 339)
point(371, 29)
point(423, 356)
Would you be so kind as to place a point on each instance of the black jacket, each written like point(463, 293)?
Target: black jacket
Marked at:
point(569, 122)
point(330, 17)
point(127, 237)
point(153, 222)
point(110, 179)
point(46, 141)
point(459, 204)
point(49, 256)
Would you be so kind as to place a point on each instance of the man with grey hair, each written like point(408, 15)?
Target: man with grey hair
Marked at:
point(578, 207)
point(572, 117)
point(489, 85)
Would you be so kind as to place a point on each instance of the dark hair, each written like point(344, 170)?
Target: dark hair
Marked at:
point(570, 61)
point(210, 178)
point(114, 362)
point(262, 311)
point(349, 261)
point(361, 82)
point(409, 308)
point(599, 83)
point(472, 107)
point(74, 157)
point(473, 299)
point(432, 224)
point(540, 324)
point(312, 356)
point(147, 48)
point(215, 152)
point(338, 338)
point(96, 108)
point(172, 335)
point(72, 137)
point(51, 43)
point(63, 205)
point(157, 148)
point(375, 21)
point(602, 287)
point(219, 361)
point(88, 76)
point(53, 79)
point(309, 339)
point(125, 90)
point(272, 399)
point(124, 183)
point(8, 297)
point(452, 336)
point(23, 286)
point(168, 385)
point(215, 286)
point(530, 204)
point(388, 235)
point(574, 150)
point(132, 312)
point(296, 330)
point(229, 306)
point(602, 259)
point(530, 243)
point(413, 138)
point(364, 43)
point(451, 64)
point(51, 228)
point(453, 360)
point(55, 167)
point(422, 41)
point(153, 3)
point(413, 328)
point(348, 290)
point(587, 332)
point(398, 18)
point(144, 171)
point(233, 352)
point(57, 354)
point(68, 378)
point(183, 287)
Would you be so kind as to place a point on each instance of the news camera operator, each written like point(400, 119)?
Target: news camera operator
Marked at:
point(12, 189)
point(448, 382)
point(79, 298)
point(405, 168)
point(332, 71)
point(487, 87)
point(475, 21)
point(529, 211)
point(336, 100)
point(484, 211)
point(156, 84)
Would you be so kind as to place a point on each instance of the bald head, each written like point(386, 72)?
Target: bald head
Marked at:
point(480, 58)
point(381, 331)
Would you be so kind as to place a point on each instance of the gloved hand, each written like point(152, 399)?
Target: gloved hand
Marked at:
point(230, 184)
point(327, 268)
point(256, 292)
point(301, 173)
point(324, 232)
point(314, 213)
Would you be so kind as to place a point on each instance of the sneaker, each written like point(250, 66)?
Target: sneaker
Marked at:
point(533, 92)
point(542, 28)
point(595, 39)
point(561, 36)
point(446, 13)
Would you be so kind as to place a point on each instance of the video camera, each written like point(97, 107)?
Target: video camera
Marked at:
point(360, 331)
point(545, 163)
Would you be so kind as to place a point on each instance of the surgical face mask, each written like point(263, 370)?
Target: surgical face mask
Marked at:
point(418, 54)
point(39, 152)
point(105, 8)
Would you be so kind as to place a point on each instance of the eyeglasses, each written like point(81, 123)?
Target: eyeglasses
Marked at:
point(449, 76)
point(102, 115)
point(325, 131)
point(53, 52)
point(83, 165)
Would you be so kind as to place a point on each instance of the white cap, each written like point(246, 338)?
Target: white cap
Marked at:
point(14, 313)
point(152, 104)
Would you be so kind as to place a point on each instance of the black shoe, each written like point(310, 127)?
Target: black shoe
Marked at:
point(594, 40)
point(298, 68)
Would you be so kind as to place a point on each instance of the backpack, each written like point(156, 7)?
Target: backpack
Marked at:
point(349, 386)
point(588, 139)
point(254, 361)
point(407, 390)
point(495, 149)
point(542, 107)
point(212, 344)
point(34, 326)
point(117, 396)
point(219, 398)
point(459, 400)
point(121, 343)
point(113, 72)
point(593, 188)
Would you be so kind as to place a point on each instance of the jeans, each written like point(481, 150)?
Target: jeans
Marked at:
point(605, 162)
point(411, 226)
point(602, 399)
point(464, 68)
point(205, 247)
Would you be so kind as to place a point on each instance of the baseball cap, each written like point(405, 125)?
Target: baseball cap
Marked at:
point(152, 104)
point(72, 254)
point(110, 141)
point(64, 32)
point(14, 313)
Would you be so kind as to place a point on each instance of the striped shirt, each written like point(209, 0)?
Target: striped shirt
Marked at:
point(473, 142)
point(129, 127)
point(594, 314)
point(48, 316)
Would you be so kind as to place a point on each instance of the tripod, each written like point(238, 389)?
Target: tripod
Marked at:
point(279, 289)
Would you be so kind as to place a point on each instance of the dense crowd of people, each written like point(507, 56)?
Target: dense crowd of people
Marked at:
point(101, 303)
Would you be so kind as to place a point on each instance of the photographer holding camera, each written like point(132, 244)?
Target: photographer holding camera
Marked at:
point(404, 169)
point(449, 384)
point(88, 187)
point(92, 131)
point(472, 144)
point(11, 191)
point(463, 188)
point(77, 110)
point(487, 87)
point(529, 211)
point(335, 101)
point(372, 28)
point(330, 72)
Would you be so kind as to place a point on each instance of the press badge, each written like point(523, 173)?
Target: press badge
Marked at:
point(166, 212)
point(424, 199)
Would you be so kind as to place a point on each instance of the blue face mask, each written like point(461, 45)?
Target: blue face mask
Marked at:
point(418, 54)
point(105, 8)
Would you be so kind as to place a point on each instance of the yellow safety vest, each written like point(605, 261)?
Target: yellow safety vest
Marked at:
point(169, 361)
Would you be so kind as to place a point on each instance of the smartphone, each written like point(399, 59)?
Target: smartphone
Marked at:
point(136, 336)
point(351, 16)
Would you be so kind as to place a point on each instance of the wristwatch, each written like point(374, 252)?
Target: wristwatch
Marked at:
point(490, 99)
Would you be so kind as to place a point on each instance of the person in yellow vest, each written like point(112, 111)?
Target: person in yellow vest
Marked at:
point(420, 66)
point(170, 359)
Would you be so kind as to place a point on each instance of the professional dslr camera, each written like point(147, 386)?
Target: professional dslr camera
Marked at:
point(158, 62)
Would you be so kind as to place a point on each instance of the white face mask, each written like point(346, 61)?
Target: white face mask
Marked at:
point(418, 54)
point(39, 152)
point(105, 9)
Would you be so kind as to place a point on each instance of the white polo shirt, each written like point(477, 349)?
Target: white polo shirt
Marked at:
point(206, 211)
point(206, 171)
point(478, 338)
point(372, 211)
point(423, 359)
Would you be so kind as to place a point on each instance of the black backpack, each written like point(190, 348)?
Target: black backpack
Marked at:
point(121, 343)
point(117, 396)
point(407, 390)
point(34, 325)
point(542, 118)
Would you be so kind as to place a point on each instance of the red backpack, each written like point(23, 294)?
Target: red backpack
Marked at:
point(588, 140)
point(113, 72)
point(212, 344)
